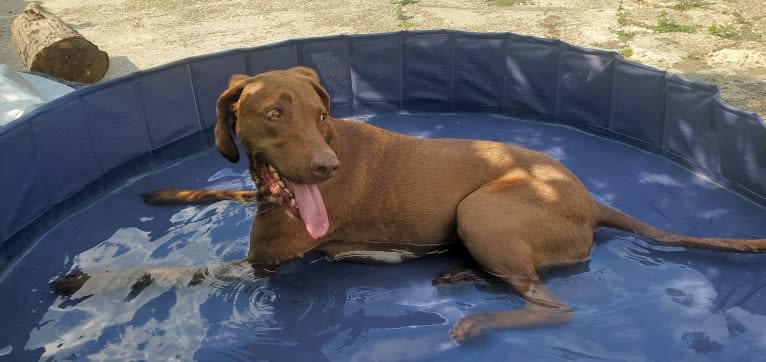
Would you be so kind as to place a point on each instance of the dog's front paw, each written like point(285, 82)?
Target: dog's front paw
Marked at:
point(469, 327)
point(445, 278)
point(456, 276)
point(70, 283)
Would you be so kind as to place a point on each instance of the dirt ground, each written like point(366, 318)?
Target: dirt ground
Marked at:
point(717, 41)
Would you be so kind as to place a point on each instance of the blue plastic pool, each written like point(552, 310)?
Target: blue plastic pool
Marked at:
point(658, 147)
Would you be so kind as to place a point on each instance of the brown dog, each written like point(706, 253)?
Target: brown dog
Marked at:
point(354, 191)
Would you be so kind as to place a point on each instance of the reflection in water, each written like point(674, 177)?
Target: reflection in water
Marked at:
point(105, 325)
point(170, 320)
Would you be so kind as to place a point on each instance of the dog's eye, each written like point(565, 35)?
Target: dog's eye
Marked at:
point(323, 117)
point(274, 114)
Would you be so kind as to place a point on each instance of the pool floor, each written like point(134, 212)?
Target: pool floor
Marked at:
point(634, 299)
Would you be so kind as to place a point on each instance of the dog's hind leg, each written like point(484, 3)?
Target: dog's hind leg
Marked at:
point(541, 308)
point(511, 234)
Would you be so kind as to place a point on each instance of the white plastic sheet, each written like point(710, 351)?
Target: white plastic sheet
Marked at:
point(20, 93)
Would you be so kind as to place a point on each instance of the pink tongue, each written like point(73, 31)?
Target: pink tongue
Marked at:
point(311, 208)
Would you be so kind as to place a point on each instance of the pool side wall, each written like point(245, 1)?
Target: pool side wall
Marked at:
point(97, 136)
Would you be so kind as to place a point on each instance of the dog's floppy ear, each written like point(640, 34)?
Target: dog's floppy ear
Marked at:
point(306, 72)
point(322, 94)
point(314, 79)
point(224, 112)
point(236, 78)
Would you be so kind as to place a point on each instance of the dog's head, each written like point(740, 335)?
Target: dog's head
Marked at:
point(281, 119)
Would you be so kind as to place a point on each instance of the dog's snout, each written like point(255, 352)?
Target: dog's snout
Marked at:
point(324, 165)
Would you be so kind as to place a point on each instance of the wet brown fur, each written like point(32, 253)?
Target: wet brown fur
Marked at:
point(515, 210)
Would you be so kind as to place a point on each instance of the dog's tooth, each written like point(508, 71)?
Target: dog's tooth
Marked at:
point(281, 184)
point(272, 169)
point(293, 203)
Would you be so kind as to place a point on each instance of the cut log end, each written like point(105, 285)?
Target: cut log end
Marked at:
point(48, 45)
point(74, 59)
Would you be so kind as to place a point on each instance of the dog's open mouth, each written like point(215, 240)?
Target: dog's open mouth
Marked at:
point(301, 201)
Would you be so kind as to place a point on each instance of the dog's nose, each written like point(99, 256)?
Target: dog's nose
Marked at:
point(324, 165)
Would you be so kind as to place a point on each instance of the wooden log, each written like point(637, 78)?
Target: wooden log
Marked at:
point(48, 45)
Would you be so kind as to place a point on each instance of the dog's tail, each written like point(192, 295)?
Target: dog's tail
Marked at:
point(180, 196)
point(613, 218)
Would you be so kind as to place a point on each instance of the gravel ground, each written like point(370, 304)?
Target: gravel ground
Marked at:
point(720, 42)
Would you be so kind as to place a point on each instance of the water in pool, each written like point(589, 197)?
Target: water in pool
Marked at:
point(634, 300)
